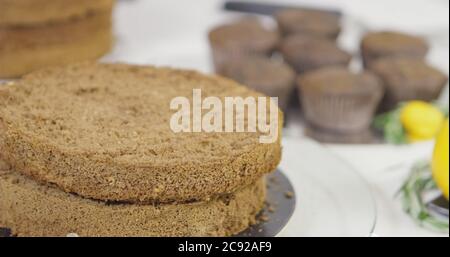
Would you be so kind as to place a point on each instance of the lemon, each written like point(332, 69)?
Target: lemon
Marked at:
point(440, 160)
point(421, 120)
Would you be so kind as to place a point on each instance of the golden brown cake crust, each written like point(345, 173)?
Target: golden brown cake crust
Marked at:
point(25, 49)
point(31, 209)
point(102, 131)
point(23, 12)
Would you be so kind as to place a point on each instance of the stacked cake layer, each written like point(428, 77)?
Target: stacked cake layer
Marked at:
point(33, 209)
point(88, 149)
point(63, 31)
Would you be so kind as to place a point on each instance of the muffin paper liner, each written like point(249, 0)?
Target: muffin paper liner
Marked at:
point(222, 56)
point(343, 113)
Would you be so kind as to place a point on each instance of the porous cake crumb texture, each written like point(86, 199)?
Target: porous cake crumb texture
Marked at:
point(31, 209)
point(102, 131)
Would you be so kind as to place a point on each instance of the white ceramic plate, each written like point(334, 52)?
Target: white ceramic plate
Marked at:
point(332, 198)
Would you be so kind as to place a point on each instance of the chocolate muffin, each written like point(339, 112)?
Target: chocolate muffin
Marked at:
point(308, 22)
point(308, 53)
point(377, 45)
point(247, 37)
point(337, 100)
point(267, 76)
point(408, 79)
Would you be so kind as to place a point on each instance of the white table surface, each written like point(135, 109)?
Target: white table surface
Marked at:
point(173, 33)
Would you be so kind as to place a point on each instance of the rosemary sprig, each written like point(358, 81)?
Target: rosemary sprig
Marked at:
point(391, 126)
point(411, 193)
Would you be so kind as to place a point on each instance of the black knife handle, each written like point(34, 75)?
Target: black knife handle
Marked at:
point(268, 9)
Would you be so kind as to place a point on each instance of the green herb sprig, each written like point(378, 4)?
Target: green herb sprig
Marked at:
point(419, 182)
point(390, 125)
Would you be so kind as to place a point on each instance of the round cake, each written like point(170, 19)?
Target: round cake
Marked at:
point(336, 99)
point(24, 49)
point(408, 79)
point(308, 23)
point(305, 53)
point(377, 45)
point(19, 13)
point(31, 209)
point(231, 42)
point(265, 75)
point(102, 131)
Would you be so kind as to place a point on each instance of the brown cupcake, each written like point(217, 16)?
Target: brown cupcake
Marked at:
point(305, 53)
point(408, 79)
point(377, 45)
point(308, 53)
point(308, 22)
point(337, 100)
point(247, 37)
point(267, 76)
